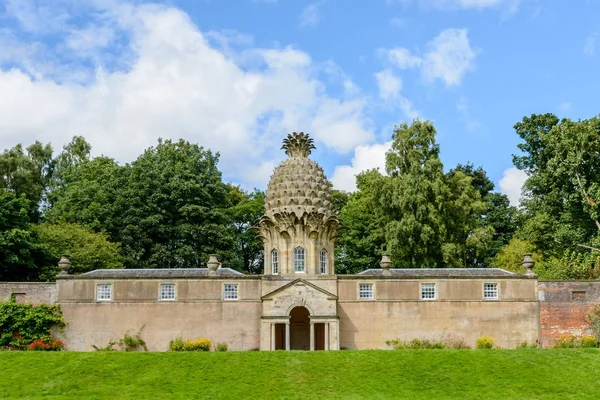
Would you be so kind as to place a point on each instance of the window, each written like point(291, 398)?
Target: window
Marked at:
point(167, 291)
point(323, 262)
point(299, 265)
point(104, 292)
point(275, 262)
point(230, 292)
point(490, 291)
point(428, 291)
point(365, 291)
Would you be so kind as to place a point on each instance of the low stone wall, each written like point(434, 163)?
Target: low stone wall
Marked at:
point(28, 292)
point(565, 307)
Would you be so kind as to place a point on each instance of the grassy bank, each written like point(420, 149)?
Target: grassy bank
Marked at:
point(413, 374)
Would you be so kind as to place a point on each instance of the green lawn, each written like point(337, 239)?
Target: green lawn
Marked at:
point(410, 374)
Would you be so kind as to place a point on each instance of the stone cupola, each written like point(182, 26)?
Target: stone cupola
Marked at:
point(299, 227)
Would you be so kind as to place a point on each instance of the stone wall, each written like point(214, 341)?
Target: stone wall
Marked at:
point(458, 313)
point(198, 311)
point(28, 292)
point(565, 307)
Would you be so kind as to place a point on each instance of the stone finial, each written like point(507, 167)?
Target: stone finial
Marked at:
point(213, 264)
point(298, 144)
point(64, 264)
point(385, 264)
point(528, 264)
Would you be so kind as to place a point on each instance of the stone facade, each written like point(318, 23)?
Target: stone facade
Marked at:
point(300, 303)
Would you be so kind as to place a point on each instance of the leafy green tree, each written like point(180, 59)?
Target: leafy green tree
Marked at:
point(562, 193)
point(28, 173)
point(87, 194)
point(171, 208)
point(412, 197)
point(362, 239)
point(499, 219)
point(246, 209)
point(416, 213)
point(87, 250)
point(20, 253)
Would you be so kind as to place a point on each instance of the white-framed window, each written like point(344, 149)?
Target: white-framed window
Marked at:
point(104, 292)
point(490, 291)
point(299, 260)
point(323, 261)
point(230, 291)
point(275, 262)
point(428, 291)
point(167, 291)
point(365, 291)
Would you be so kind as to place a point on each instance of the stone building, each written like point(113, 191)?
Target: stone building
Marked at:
point(299, 303)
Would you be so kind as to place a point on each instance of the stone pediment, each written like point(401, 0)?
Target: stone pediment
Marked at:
point(299, 293)
point(296, 287)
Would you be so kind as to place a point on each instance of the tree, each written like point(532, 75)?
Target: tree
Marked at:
point(412, 197)
point(87, 250)
point(246, 209)
point(28, 173)
point(361, 242)
point(20, 254)
point(499, 219)
point(562, 193)
point(416, 213)
point(171, 207)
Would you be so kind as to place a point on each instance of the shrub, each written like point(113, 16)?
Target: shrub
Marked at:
point(572, 341)
point(133, 342)
point(46, 344)
point(485, 342)
point(415, 344)
point(21, 324)
point(525, 345)
point(566, 342)
point(221, 347)
point(176, 344)
point(200, 344)
point(588, 341)
point(595, 322)
point(128, 343)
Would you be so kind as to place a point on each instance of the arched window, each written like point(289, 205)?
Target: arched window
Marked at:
point(323, 262)
point(275, 262)
point(299, 264)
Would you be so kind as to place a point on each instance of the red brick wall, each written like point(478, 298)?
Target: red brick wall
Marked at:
point(564, 308)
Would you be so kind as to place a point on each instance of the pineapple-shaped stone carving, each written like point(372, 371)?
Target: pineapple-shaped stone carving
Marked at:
point(298, 211)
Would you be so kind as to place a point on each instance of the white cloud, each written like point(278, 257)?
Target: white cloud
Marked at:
point(365, 157)
point(310, 15)
point(565, 106)
point(171, 82)
point(448, 58)
point(402, 58)
point(590, 45)
point(511, 184)
point(390, 87)
point(389, 84)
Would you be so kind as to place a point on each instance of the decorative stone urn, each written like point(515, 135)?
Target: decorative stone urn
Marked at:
point(64, 264)
point(528, 264)
point(213, 264)
point(385, 264)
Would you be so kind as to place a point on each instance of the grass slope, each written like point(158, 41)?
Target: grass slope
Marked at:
point(412, 374)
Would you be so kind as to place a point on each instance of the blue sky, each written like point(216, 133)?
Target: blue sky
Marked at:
point(237, 76)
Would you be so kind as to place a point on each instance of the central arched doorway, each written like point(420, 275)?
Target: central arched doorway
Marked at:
point(299, 328)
